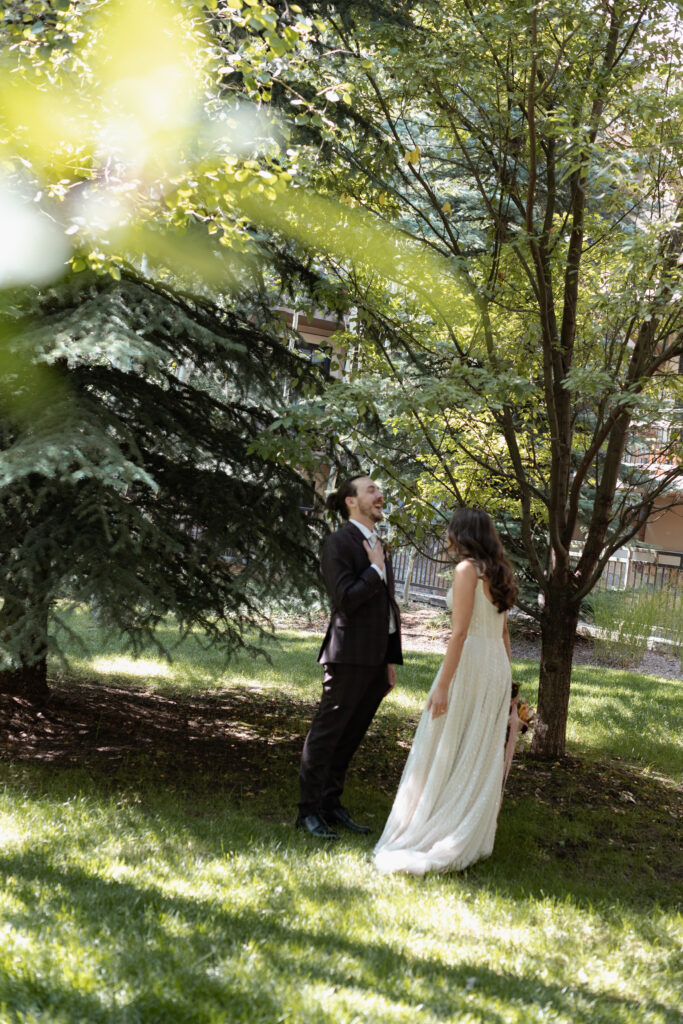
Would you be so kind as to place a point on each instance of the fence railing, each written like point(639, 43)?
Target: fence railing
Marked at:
point(620, 574)
point(431, 572)
point(646, 578)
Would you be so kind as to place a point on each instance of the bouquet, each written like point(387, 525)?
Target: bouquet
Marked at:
point(522, 718)
point(525, 713)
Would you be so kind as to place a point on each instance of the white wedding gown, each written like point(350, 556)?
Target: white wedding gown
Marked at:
point(446, 808)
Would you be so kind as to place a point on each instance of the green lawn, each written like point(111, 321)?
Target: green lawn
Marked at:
point(162, 881)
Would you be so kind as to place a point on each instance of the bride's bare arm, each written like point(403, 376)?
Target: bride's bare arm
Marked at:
point(464, 586)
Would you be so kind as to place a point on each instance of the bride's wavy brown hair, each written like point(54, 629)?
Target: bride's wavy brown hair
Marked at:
point(471, 534)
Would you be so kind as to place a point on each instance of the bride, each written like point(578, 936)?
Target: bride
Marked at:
point(446, 808)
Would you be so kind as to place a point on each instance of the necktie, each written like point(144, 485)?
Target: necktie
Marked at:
point(372, 540)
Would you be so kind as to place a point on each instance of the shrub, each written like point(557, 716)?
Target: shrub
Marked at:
point(627, 621)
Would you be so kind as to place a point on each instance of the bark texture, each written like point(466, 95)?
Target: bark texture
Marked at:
point(558, 635)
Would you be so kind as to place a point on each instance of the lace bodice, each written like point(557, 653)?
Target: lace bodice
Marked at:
point(486, 621)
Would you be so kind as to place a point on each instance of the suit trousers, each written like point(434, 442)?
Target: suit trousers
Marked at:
point(350, 698)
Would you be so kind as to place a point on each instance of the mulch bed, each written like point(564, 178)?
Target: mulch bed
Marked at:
point(242, 739)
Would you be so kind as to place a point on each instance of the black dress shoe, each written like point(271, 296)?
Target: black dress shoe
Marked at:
point(316, 826)
point(340, 816)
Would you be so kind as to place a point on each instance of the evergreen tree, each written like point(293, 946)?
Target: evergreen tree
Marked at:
point(130, 419)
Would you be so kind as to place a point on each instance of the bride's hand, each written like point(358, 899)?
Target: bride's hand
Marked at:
point(438, 702)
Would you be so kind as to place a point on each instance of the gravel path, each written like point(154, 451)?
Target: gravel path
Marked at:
point(423, 628)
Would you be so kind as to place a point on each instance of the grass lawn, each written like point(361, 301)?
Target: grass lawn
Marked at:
point(151, 872)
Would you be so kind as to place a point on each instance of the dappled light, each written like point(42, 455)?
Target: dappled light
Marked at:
point(165, 820)
point(33, 249)
point(124, 666)
point(246, 249)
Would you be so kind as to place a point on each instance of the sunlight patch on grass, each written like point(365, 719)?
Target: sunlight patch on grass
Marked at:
point(141, 668)
point(10, 832)
point(410, 702)
point(126, 897)
point(626, 715)
point(151, 905)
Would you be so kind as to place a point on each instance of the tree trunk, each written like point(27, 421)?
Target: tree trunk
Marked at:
point(25, 671)
point(409, 576)
point(558, 634)
point(28, 681)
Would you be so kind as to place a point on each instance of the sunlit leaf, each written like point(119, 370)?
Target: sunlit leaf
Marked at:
point(33, 250)
point(147, 75)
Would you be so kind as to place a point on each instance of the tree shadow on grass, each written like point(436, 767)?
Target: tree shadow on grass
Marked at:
point(189, 962)
point(625, 716)
point(591, 830)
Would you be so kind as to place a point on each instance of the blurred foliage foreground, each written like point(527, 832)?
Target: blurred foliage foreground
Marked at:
point(145, 465)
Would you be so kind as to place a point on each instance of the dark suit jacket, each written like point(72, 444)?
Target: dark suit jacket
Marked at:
point(358, 633)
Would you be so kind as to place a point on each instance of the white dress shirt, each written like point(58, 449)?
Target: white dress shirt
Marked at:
point(368, 534)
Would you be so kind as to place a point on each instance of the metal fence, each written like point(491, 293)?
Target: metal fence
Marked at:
point(430, 572)
point(646, 578)
point(621, 574)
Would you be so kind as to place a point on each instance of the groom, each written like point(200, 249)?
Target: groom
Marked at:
point(360, 649)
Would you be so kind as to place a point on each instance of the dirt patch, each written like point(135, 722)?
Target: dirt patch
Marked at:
point(423, 628)
point(244, 738)
point(232, 736)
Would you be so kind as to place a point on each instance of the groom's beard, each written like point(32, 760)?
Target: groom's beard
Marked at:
point(369, 509)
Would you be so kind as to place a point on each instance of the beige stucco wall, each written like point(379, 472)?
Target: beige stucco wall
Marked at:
point(664, 529)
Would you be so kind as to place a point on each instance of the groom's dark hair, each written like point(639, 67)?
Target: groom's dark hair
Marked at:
point(336, 500)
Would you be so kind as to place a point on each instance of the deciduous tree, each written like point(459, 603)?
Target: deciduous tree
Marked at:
point(534, 154)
